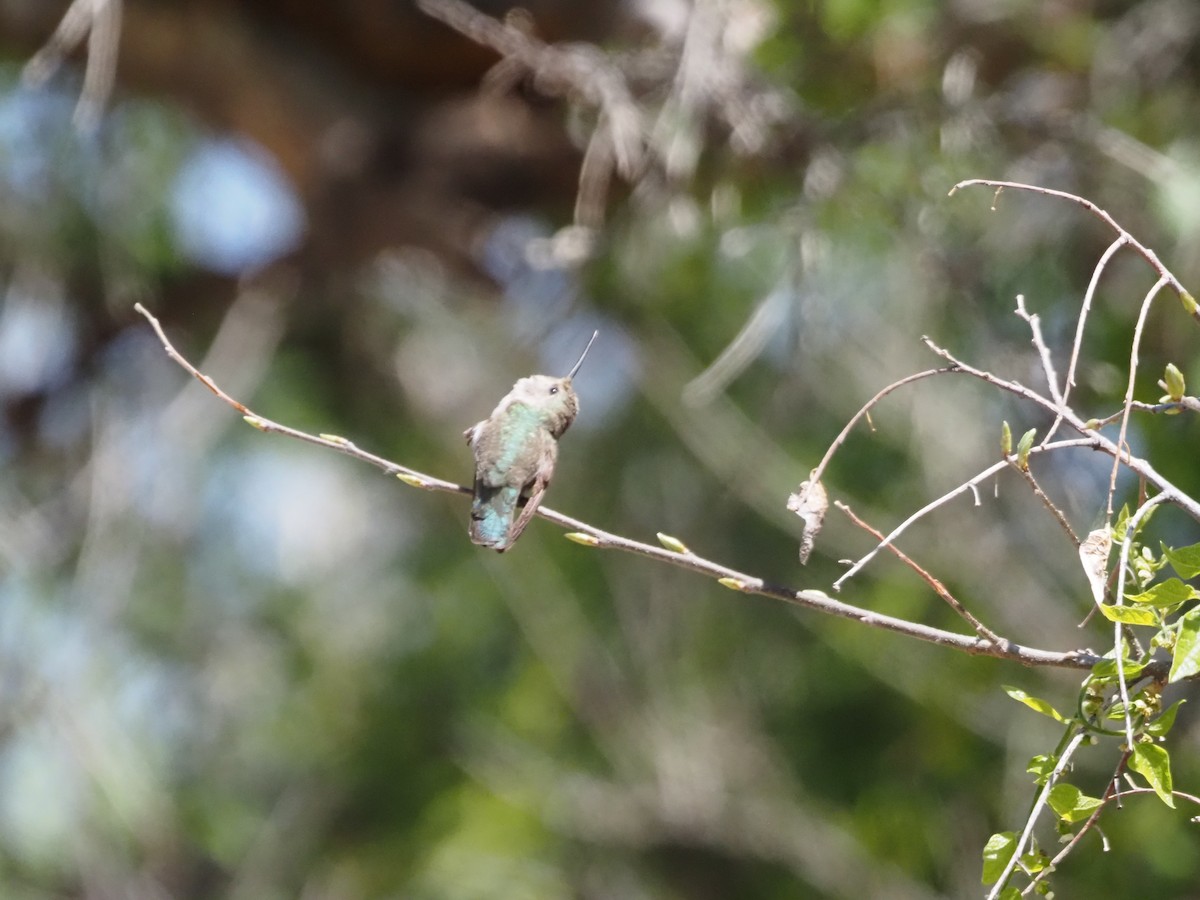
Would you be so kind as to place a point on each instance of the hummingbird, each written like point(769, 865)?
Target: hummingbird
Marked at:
point(516, 448)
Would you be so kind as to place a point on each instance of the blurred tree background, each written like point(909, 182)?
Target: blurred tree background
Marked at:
point(236, 666)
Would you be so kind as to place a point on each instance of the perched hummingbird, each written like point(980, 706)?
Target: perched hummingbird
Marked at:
point(516, 448)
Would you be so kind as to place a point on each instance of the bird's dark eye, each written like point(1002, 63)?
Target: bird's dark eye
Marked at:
point(554, 390)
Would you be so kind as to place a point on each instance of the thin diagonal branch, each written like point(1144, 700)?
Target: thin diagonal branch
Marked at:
point(937, 586)
point(682, 558)
point(963, 488)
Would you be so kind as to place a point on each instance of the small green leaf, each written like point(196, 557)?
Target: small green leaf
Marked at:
point(1189, 303)
point(672, 543)
point(1171, 592)
point(1041, 766)
point(1005, 439)
point(1071, 804)
point(1161, 725)
point(412, 480)
point(1023, 448)
point(580, 538)
point(1187, 648)
point(1034, 861)
point(1153, 763)
point(1034, 703)
point(1107, 668)
point(734, 584)
point(996, 854)
point(255, 422)
point(1185, 561)
point(1130, 615)
point(1174, 383)
point(1122, 521)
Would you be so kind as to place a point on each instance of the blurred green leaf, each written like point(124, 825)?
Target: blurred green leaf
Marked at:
point(1171, 592)
point(1035, 703)
point(1186, 662)
point(1185, 560)
point(1071, 804)
point(996, 854)
point(1164, 721)
point(1130, 615)
point(1153, 763)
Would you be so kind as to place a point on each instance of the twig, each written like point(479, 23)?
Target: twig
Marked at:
point(1077, 344)
point(938, 588)
point(1146, 253)
point(683, 558)
point(1133, 367)
point(1049, 504)
point(100, 20)
point(1038, 806)
point(1110, 794)
point(1100, 442)
point(1131, 528)
point(1039, 343)
point(331, 442)
point(819, 471)
point(947, 497)
point(1192, 404)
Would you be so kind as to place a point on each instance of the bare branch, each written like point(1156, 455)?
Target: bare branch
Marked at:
point(819, 471)
point(947, 497)
point(938, 588)
point(1145, 252)
point(1038, 806)
point(1133, 367)
point(100, 20)
point(1097, 440)
point(589, 535)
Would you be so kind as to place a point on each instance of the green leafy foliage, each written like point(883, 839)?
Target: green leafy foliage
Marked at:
point(1024, 446)
point(1153, 763)
point(1130, 615)
point(1169, 593)
point(1185, 560)
point(1174, 383)
point(1071, 804)
point(1186, 661)
point(997, 852)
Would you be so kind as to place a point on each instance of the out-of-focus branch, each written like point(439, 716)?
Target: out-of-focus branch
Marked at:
point(100, 21)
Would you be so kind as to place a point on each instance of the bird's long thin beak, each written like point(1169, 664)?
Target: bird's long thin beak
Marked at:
point(575, 368)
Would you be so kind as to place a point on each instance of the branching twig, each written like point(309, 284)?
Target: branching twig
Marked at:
point(1133, 367)
point(680, 557)
point(1038, 806)
point(1099, 442)
point(1077, 344)
point(938, 588)
point(1189, 302)
point(1039, 343)
point(100, 21)
point(1049, 504)
point(968, 485)
point(819, 471)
